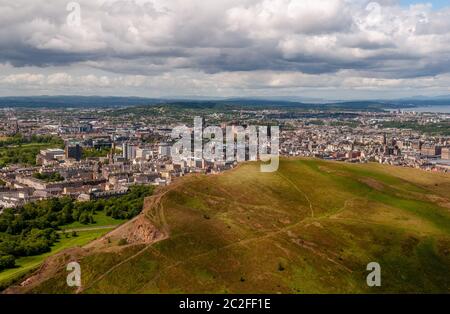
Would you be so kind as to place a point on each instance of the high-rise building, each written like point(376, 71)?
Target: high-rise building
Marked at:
point(74, 151)
point(125, 150)
point(112, 154)
point(132, 152)
point(431, 150)
point(128, 151)
point(164, 149)
point(143, 153)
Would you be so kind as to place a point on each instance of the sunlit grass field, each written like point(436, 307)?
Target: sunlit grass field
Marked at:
point(22, 154)
point(100, 219)
point(29, 263)
point(311, 227)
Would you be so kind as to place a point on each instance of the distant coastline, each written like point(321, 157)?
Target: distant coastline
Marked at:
point(434, 109)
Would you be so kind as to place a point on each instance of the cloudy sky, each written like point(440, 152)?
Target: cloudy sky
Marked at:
point(334, 49)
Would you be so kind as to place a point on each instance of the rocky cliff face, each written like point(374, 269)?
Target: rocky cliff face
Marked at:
point(140, 230)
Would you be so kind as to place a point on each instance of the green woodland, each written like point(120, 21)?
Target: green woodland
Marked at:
point(23, 150)
point(95, 153)
point(49, 177)
point(33, 229)
point(440, 128)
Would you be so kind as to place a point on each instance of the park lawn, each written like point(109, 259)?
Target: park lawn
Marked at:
point(27, 264)
point(32, 145)
point(23, 154)
point(101, 220)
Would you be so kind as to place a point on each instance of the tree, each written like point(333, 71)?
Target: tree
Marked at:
point(7, 261)
point(31, 229)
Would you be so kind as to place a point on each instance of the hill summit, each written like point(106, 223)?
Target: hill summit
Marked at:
point(311, 227)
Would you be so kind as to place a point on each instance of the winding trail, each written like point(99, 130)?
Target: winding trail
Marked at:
point(299, 190)
point(88, 229)
point(101, 277)
point(155, 214)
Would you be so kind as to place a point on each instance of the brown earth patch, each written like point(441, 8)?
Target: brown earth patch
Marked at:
point(374, 184)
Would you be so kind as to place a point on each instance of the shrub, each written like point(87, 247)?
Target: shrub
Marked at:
point(123, 241)
point(7, 261)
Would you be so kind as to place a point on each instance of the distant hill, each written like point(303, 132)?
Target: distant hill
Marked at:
point(306, 103)
point(74, 101)
point(106, 102)
point(416, 101)
point(430, 98)
point(311, 227)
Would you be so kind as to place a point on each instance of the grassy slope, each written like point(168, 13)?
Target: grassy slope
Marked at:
point(100, 219)
point(311, 227)
point(27, 264)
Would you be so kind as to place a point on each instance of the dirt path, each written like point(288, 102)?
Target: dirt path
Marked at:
point(81, 289)
point(88, 228)
point(156, 214)
point(243, 242)
point(299, 190)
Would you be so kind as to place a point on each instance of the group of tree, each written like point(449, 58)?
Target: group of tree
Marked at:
point(19, 155)
point(96, 153)
point(49, 177)
point(32, 229)
point(20, 139)
point(33, 242)
point(439, 128)
point(23, 150)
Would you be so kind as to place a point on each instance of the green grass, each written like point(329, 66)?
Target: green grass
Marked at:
point(95, 153)
point(322, 221)
point(100, 218)
point(29, 263)
point(440, 128)
point(22, 154)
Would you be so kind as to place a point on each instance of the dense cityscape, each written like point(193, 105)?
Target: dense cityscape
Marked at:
point(89, 154)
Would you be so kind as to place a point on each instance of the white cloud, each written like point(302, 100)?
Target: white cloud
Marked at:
point(210, 45)
point(25, 78)
point(59, 79)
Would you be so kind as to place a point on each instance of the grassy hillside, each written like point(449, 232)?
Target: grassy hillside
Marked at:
point(26, 264)
point(311, 227)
